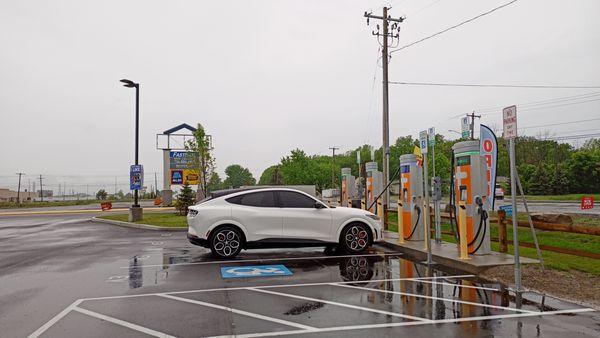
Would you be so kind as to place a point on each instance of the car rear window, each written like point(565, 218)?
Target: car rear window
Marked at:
point(265, 199)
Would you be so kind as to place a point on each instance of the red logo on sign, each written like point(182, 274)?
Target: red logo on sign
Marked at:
point(587, 202)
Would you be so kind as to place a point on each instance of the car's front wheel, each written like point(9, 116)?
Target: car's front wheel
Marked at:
point(226, 242)
point(355, 238)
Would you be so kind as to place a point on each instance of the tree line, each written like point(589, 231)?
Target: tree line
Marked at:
point(546, 167)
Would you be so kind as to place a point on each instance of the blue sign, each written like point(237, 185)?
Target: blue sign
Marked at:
point(254, 271)
point(176, 176)
point(507, 209)
point(136, 177)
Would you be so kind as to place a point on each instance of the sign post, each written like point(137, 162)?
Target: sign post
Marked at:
point(509, 117)
point(436, 202)
point(587, 202)
point(427, 218)
point(465, 127)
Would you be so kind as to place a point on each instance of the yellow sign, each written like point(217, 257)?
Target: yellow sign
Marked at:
point(190, 177)
point(417, 151)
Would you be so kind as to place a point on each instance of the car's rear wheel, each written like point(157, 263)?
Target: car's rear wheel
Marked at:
point(226, 242)
point(355, 238)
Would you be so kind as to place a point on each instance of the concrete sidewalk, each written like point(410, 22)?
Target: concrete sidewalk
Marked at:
point(447, 255)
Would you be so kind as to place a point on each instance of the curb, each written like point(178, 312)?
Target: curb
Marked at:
point(138, 225)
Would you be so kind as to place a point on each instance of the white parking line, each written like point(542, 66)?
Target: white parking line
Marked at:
point(340, 304)
point(276, 286)
point(451, 284)
point(55, 319)
point(240, 312)
point(264, 260)
point(434, 298)
point(123, 323)
point(388, 325)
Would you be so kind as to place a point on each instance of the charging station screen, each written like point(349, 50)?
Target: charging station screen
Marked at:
point(463, 160)
point(405, 169)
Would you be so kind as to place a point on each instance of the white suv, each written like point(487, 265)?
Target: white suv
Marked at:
point(230, 221)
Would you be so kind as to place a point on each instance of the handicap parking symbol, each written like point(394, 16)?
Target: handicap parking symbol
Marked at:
point(254, 271)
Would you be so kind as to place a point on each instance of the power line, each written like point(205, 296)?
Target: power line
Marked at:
point(452, 27)
point(541, 102)
point(491, 85)
point(558, 124)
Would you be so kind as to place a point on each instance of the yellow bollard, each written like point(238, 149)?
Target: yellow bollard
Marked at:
point(462, 228)
point(400, 222)
point(349, 203)
point(380, 210)
point(362, 205)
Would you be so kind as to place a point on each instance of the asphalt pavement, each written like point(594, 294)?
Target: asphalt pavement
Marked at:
point(64, 276)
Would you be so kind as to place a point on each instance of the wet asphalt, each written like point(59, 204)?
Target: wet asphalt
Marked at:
point(133, 283)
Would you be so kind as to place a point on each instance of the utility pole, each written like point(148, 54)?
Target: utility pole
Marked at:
point(41, 190)
point(19, 189)
point(64, 191)
point(395, 33)
point(473, 116)
point(333, 149)
point(155, 186)
point(115, 187)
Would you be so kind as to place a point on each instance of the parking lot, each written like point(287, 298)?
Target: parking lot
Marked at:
point(66, 276)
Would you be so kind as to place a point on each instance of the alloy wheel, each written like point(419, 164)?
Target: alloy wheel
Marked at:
point(226, 243)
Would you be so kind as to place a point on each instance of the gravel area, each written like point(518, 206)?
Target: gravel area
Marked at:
point(580, 287)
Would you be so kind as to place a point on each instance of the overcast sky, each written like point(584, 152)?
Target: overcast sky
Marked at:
point(265, 77)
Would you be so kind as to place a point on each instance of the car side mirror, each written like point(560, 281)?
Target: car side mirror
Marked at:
point(319, 205)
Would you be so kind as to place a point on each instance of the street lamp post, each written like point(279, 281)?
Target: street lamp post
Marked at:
point(135, 213)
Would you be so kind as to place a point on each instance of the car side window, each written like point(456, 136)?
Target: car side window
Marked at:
point(290, 199)
point(265, 199)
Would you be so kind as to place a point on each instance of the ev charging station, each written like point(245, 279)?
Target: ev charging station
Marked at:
point(348, 187)
point(410, 200)
point(470, 190)
point(374, 186)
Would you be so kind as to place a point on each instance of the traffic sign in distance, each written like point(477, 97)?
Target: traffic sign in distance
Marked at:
point(254, 271)
point(587, 202)
point(509, 119)
point(423, 141)
point(431, 132)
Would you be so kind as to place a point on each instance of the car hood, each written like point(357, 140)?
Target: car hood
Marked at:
point(350, 211)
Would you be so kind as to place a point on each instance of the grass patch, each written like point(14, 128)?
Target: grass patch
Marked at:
point(552, 260)
point(567, 197)
point(155, 218)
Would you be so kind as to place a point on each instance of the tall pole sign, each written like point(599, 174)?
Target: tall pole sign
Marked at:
point(509, 118)
point(427, 220)
point(488, 148)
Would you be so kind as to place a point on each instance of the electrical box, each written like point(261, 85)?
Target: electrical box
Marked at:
point(471, 187)
point(410, 200)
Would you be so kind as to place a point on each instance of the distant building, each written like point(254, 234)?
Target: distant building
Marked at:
point(7, 195)
point(46, 193)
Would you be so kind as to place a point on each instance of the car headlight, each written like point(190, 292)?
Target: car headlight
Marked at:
point(192, 212)
point(373, 217)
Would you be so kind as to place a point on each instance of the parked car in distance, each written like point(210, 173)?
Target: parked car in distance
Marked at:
point(499, 192)
point(228, 222)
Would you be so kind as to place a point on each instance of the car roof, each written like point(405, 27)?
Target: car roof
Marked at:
point(242, 191)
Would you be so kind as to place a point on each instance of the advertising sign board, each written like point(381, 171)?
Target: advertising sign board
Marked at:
point(136, 177)
point(488, 148)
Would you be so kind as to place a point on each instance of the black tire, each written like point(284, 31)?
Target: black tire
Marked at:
point(225, 242)
point(355, 238)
